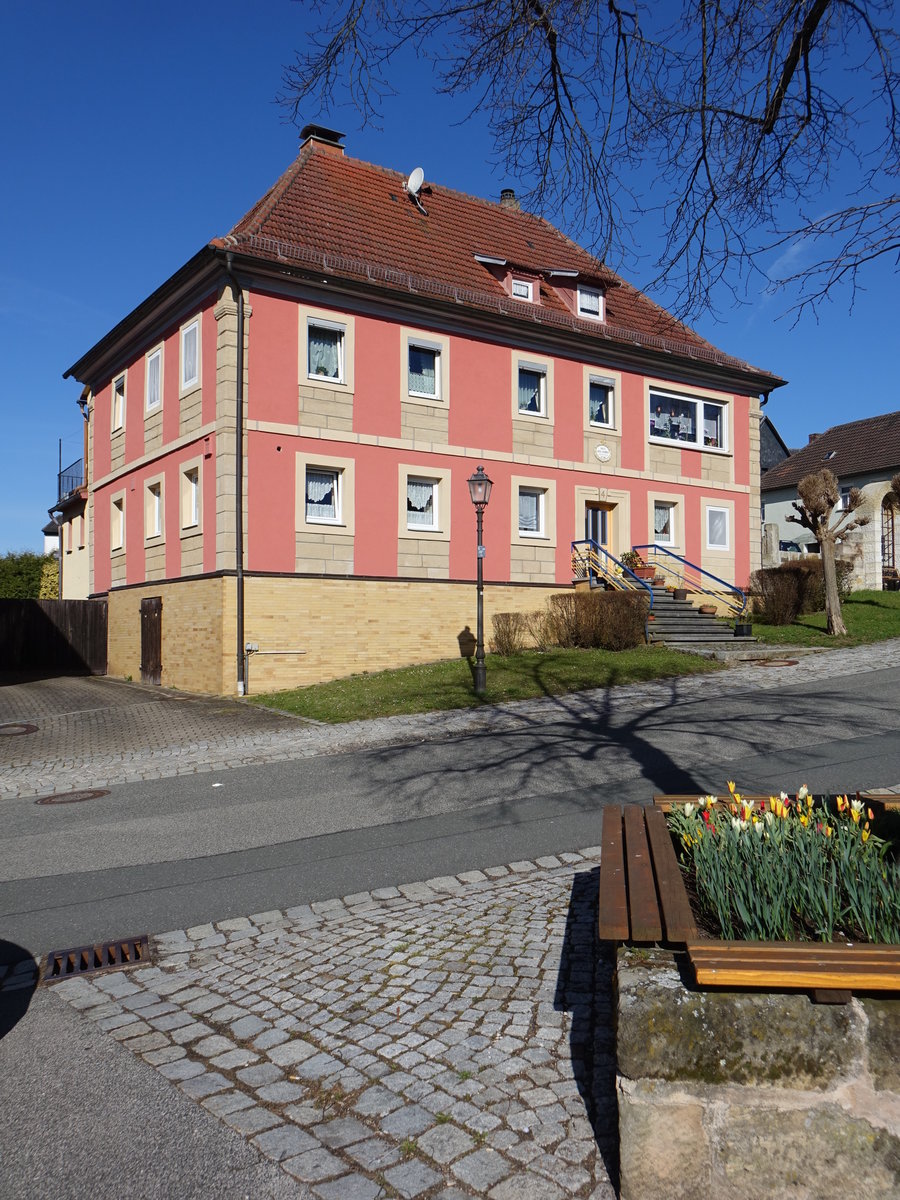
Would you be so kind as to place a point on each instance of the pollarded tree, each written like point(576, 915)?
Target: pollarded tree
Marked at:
point(755, 132)
point(819, 494)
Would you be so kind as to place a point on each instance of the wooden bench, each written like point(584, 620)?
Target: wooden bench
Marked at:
point(642, 897)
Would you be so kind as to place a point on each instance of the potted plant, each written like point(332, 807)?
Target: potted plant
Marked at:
point(636, 565)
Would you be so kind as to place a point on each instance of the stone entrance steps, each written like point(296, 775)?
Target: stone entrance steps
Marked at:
point(679, 623)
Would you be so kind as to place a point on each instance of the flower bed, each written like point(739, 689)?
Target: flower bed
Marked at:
point(788, 869)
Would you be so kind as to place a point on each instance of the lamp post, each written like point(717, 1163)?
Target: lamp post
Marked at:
point(480, 492)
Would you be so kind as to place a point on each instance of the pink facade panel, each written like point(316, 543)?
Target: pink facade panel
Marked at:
point(272, 366)
point(480, 394)
point(378, 382)
point(634, 423)
point(270, 501)
point(568, 409)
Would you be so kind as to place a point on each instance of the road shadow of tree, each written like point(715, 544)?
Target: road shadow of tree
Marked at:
point(18, 980)
point(584, 989)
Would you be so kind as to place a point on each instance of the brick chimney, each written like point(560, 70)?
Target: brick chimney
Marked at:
point(326, 139)
point(812, 437)
point(508, 199)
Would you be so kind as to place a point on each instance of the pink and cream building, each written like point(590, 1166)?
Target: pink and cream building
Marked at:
point(359, 349)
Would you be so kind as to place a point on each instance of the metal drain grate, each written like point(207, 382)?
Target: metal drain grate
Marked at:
point(773, 662)
point(90, 960)
point(15, 728)
point(73, 797)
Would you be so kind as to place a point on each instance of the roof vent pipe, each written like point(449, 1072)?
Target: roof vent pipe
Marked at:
point(508, 199)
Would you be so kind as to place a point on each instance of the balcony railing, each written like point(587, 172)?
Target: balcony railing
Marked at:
point(70, 479)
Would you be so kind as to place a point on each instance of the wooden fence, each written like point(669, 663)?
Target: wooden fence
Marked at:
point(64, 635)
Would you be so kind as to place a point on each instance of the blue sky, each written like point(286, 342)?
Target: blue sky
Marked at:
point(134, 133)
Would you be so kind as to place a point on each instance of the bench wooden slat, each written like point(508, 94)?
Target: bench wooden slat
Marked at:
point(823, 951)
point(887, 801)
point(796, 965)
point(676, 909)
point(643, 903)
point(613, 898)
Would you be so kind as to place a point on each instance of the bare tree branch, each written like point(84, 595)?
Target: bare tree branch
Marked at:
point(724, 122)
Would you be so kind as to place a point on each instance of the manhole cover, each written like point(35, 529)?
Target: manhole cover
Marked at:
point(14, 728)
point(73, 797)
point(102, 956)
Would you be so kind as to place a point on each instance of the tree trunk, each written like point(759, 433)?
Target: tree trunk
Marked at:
point(836, 624)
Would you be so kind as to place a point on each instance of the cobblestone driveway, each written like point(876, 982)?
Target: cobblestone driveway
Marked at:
point(445, 1039)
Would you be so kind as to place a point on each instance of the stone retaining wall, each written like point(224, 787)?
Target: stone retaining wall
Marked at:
point(748, 1096)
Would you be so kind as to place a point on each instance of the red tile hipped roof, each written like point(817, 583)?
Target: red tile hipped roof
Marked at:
point(856, 448)
point(356, 222)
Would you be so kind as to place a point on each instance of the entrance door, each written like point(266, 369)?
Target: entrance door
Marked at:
point(598, 523)
point(151, 639)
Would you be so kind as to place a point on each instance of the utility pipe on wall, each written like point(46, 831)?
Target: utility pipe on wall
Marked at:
point(238, 294)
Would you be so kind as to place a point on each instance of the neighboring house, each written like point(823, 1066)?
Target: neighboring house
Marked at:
point(71, 519)
point(862, 454)
point(772, 449)
point(324, 379)
point(50, 532)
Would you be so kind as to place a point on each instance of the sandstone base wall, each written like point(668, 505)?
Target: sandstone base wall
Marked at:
point(749, 1096)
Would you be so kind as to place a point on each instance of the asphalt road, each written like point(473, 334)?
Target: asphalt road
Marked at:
point(181, 851)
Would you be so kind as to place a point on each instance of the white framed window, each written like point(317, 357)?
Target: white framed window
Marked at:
point(664, 523)
point(590, 302)
point(325, 350)
point(523, 289)
point(153, 511)
point(190, 354)
point(601, 393)
point(118, 404)
point(422, 504)
point(424, 370)
point(322, 496)
point(700, 424)
point(717, 528)
point(844, 503)
point(533, 390)
point(154, 380)
point(531, 512)
point(117, 524)
point(190, 498)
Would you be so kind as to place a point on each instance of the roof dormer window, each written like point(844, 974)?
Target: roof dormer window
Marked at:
point(523, 289)
point(590, 302)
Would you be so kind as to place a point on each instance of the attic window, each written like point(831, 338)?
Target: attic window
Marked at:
point(830, 455)
point(590, 302)
point(523, 289)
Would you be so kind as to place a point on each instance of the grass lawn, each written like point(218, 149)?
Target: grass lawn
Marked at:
point(445, 685)
point(869, 617)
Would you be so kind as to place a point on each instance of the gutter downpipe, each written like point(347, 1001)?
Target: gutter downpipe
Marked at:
point(238, 294)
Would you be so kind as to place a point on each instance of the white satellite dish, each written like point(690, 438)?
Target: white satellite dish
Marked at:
point(415, 181)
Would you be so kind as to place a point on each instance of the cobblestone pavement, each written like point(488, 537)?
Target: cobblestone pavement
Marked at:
point(443, 1039)
point(98, 732)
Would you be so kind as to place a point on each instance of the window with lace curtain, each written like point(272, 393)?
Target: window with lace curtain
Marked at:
point(190, 355)
point(663, 523)
point(533, 391)
point(421, 503)
point(323, 495)
point(325, 351)
point(531, 512)
point(424, 374)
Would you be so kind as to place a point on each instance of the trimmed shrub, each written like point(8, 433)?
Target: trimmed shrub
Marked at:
point(509, 633)
point(537, 623)
point(21, 574)
point(605, 620)
point(783, 593)
point(776, 594)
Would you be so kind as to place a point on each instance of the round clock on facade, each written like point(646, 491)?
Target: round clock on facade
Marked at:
point(603, 453)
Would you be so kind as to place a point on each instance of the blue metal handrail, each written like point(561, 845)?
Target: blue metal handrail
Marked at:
point(732, 596)
point(594, 562)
